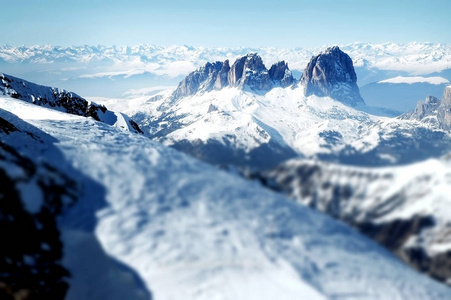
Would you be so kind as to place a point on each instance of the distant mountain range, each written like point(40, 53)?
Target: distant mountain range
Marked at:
point(96, 70)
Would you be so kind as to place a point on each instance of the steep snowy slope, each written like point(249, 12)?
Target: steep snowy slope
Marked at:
point(194, 232)
point(406, 209)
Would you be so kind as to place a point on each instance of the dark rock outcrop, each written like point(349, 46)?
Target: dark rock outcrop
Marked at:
point(281, 74)
point(222, 78)
point(247, 72)
point(331, 73)
point(202, 79)
point(31, 198)
point(49, 97)
point(57, 99)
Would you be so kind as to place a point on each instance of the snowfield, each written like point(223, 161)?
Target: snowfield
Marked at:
point(416, 79)
point(311, 127)
point(191, 231)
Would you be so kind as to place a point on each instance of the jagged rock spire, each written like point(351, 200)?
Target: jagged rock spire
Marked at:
point(280, 73)
point(247, 72)
point(331, 73)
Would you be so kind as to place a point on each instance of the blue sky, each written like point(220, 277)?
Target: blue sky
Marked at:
point(283, 23)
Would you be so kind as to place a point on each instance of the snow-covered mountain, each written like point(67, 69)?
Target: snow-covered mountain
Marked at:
point(433, 111)
point(63, 101)
point(174, 227)
point(406, 209)
point(96, 70)
point(257, 123)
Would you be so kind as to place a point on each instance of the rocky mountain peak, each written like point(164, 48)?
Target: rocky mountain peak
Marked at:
point(427, 107)
point(331, 73)
point(221, 79)
point(203, 79)
point(425, 111)
point(281, 74)
point(250, 72)
point(247, 72)
point(433, 111)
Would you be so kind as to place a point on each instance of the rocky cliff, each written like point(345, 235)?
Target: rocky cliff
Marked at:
point(433, 111)
point(331, 73)
point(247, 72)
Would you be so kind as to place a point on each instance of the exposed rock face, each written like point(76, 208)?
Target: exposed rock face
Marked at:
point(426, 111)
point(202, 79)
point(426, 108)
point(444, 110)
point(222, 80)
point(280, 73)
point(331, 73)
point(49, 97)
point(433, 111)
point(247, 72)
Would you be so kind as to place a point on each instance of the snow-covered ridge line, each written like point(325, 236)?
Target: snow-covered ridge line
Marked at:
point(62, 100)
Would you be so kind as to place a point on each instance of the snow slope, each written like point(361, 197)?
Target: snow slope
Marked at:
point(406, 208)
point(237, 127)
point(191, 231)
point(38, 259)
point(64, 101)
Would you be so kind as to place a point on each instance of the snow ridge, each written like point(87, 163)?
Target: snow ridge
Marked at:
point(62, 100)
